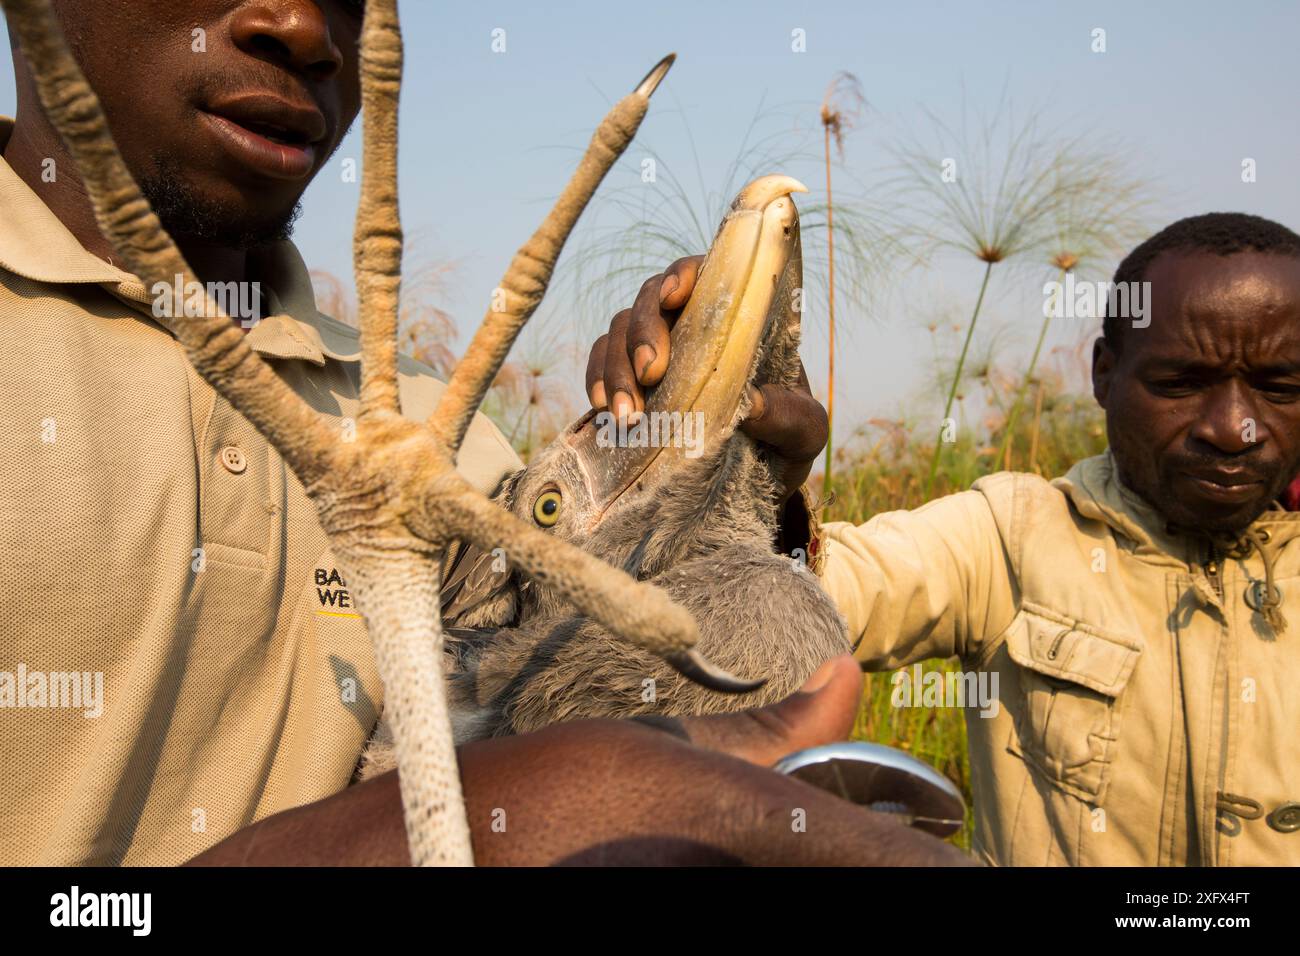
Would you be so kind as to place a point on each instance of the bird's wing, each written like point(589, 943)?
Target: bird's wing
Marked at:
point(478, 588)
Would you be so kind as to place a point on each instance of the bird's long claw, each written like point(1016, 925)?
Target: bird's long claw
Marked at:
point(651, 81)
point(694, 666)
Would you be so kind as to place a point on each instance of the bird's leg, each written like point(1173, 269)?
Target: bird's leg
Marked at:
point(393, 574)
point(525, 281)
point(397, 592)
point(377, 238)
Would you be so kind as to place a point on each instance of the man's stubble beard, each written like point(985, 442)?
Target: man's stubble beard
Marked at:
point(1162, 498)
point(188, 215)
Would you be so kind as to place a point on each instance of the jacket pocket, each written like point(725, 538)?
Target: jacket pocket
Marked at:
point(1071, 677)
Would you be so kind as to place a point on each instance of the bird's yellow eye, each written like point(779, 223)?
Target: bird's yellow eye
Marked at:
point(546, 509)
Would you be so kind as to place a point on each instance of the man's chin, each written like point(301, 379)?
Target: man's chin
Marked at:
point(192, 214)
point(1202, 512)
point(234, 234)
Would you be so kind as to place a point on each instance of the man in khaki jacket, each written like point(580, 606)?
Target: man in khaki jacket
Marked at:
point(180, 660)
point(1141, 615)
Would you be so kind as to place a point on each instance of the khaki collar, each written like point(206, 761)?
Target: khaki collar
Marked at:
point(1094, 487)
point(36, 245)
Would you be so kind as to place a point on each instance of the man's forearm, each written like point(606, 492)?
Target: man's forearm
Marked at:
point(361, 826)
point(617, 793)
point(596, 792)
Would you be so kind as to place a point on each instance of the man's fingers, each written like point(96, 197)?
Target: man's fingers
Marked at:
point(679, 282)
point(596, 373)
point(647, 334)
point(790, 420)
point(655, 311)
point(620, 383)
point(820, 712)
point(635, 351)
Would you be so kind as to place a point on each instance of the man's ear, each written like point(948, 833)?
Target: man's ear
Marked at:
point(1103, 366)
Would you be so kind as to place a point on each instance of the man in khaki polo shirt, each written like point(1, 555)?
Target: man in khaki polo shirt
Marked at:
point(180, 661)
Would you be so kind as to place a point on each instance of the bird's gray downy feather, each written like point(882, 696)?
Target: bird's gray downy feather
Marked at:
point(520, 657)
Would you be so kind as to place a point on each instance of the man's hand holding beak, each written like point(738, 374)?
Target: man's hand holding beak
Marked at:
point(634, 355)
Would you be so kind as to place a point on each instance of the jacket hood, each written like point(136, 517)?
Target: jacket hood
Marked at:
point(1094, 488)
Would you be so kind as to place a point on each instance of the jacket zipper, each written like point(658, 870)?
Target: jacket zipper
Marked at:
point(1209, 849)
point(1212, 569)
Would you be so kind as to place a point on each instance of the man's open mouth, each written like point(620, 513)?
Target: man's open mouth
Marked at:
point(267, 134)
point(277, 134)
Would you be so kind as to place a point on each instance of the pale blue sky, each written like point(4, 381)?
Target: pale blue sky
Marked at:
point(1190, 88)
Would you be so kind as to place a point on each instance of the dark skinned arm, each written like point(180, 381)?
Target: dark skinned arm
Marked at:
point(621, 792)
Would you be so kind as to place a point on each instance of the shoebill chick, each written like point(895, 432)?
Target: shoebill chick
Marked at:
point(680, 498)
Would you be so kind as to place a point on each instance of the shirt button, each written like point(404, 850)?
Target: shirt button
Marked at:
point(1285, 819)
point(233, 459)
